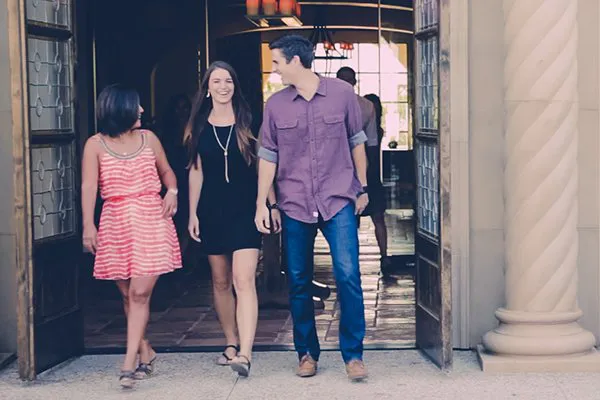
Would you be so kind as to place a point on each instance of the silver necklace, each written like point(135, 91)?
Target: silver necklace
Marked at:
point(224, 148)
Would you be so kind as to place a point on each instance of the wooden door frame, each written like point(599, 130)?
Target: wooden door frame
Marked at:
point(445, 169)
point(454, 155)
point(453, 152)
point(21, 142)
point(433, 247)
point(17, 38)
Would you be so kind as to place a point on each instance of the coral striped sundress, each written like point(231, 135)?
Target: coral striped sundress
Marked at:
point(134, 239)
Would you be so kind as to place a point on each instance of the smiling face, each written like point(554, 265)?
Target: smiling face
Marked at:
point(221, 86)
point(287, 70)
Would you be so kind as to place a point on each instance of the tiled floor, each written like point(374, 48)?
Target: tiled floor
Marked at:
point(182, 316)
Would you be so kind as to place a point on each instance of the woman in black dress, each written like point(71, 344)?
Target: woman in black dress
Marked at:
point(222, 193)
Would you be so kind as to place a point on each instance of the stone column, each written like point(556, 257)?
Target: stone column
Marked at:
point(538, 328)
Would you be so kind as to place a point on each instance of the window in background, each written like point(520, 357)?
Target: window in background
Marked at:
point(271, 82)
point(381, 70)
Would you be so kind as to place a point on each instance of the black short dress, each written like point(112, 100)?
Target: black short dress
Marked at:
point(226, 209)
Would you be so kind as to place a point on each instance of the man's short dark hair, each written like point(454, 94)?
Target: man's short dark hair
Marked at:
point(295, 45)
point(117, 109)
point(347, 74)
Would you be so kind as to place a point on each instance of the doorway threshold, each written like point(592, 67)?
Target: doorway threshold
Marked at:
point(391, 345)
point(6, 359)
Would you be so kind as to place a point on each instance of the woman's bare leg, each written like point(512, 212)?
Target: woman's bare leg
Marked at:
point(146, 351)
point(244, 281)
point(223, 299)
point(138, 313)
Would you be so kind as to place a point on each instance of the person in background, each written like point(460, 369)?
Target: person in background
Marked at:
point(371, 117)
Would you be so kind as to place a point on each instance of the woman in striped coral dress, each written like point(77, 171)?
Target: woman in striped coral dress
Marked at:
point(136, 241)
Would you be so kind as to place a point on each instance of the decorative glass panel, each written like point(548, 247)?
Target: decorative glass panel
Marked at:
point(427, 188)
point(429, 295)
point(50, 83)
point(52, 185)
point(53, 12)
point(428, 107)
point(427, 14)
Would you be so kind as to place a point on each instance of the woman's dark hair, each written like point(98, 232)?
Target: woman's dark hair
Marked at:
point(117, 110)
point(295, 45)
point(201, 108)
point(373, 98)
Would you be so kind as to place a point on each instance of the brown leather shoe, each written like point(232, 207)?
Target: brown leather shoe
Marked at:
point(356, 371)
point(307, 367)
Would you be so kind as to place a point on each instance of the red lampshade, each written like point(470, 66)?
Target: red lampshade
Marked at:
point(286, 7)
point(252, 7)
point(269, 7)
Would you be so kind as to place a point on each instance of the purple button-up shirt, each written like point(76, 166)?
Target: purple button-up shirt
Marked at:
point(311, 142)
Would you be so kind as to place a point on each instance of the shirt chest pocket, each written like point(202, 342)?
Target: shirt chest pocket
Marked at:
point(288, 130)
point(333, 127)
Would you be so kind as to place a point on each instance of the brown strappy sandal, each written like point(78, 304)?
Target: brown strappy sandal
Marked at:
point(224, 359)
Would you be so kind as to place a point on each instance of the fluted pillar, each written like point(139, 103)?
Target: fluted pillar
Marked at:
point(538, 328)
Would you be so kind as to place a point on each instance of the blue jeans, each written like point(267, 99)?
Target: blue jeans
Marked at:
point(342, 235)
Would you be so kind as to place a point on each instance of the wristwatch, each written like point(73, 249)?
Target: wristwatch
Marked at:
point(363, 191)
point(273, 206)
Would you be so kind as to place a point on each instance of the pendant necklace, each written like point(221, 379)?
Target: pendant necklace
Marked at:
point(225, 149)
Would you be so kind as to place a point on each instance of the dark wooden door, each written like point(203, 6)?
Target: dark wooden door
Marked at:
point(433, 283)
point(54, 329)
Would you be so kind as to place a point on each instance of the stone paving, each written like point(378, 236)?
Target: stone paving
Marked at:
point(394, 375)
point(182, 315)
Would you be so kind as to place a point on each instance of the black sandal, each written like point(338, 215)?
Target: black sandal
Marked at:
point(224, 355)
point(242, 367)
point(127, 379)
point(145, 370)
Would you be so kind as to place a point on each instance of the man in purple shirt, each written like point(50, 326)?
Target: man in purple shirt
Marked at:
point(312, 146)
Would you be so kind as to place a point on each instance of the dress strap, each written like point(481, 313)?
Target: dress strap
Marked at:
point(99, 137)
point(124, 156)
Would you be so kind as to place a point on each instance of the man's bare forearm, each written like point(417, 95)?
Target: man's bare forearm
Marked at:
point(359, 156)
point(266, 176)
point(272, 196)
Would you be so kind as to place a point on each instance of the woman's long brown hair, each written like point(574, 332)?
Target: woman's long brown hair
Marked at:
point(201, 108)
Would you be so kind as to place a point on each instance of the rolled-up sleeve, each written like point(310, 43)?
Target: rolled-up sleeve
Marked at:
point(267, 149)
point(354, 123)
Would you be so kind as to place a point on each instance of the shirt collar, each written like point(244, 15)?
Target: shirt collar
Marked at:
point(321, 90)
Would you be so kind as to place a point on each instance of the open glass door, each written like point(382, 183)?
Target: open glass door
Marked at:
point(54, 328)
point(433, 281)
